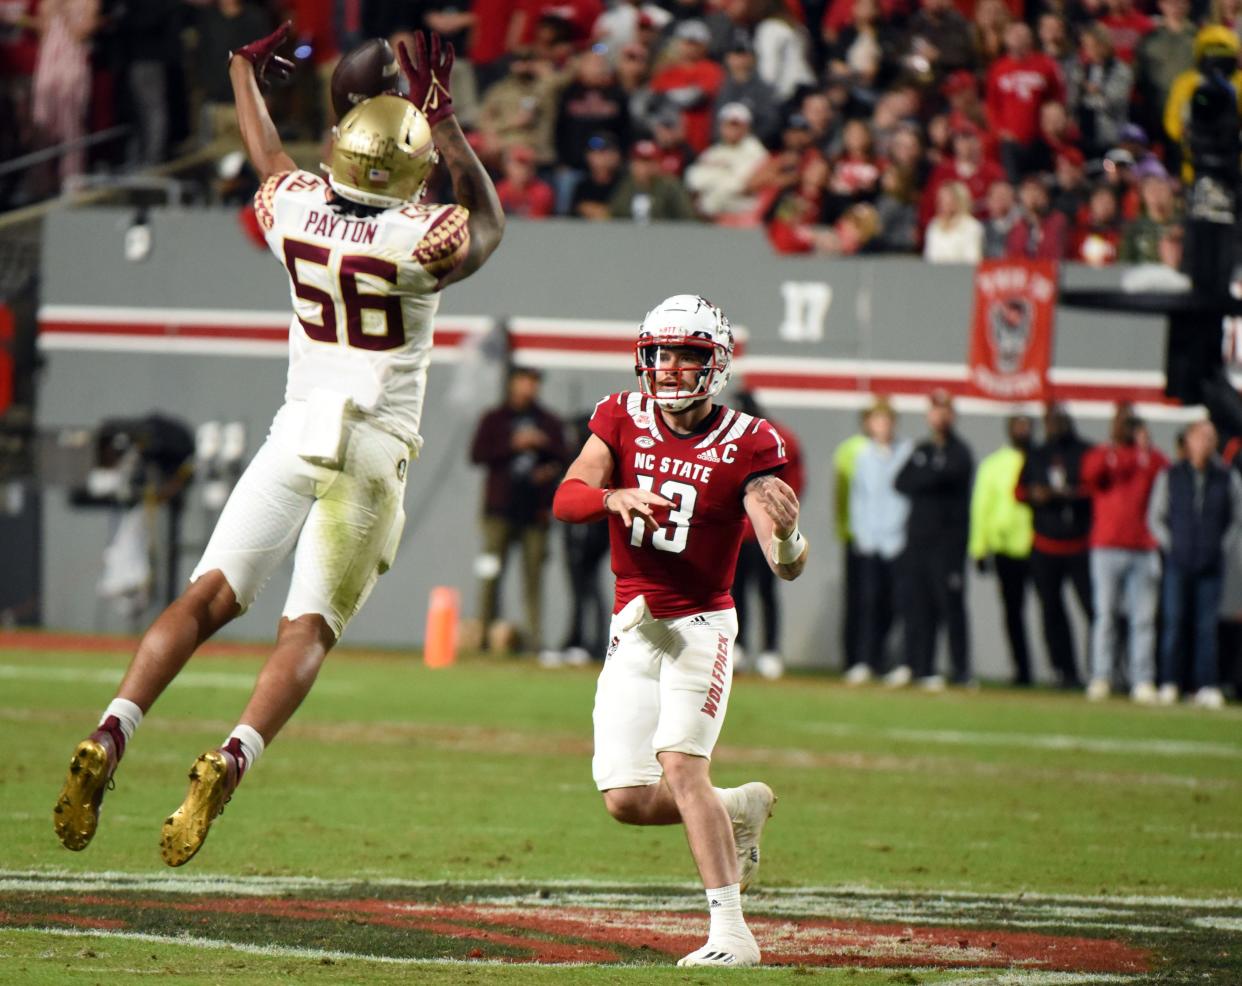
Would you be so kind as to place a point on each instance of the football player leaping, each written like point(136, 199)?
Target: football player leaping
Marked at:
point(366, 264)
point(676, 475)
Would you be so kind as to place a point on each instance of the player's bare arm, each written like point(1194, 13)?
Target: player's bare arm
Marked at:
point(578, 498)
point(428, 76)
point(249, 67)
point(772, 507)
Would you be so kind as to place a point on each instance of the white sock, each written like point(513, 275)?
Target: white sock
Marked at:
point(729, 796)
point(251, 743)
point(127, 714)
point(725, 910)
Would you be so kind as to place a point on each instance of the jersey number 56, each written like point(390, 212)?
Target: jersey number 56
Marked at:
point(353, 301)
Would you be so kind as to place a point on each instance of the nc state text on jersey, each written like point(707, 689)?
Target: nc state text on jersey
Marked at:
point(647, 462)
point(347, 230)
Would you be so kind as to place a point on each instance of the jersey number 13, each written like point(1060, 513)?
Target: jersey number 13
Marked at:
point(671, 537)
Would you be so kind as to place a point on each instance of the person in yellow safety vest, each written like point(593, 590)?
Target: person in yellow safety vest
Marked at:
point(851, 596)
point(1002, 533)
point(1216, 47)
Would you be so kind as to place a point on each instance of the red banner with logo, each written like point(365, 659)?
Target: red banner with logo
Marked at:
point(1011, 333)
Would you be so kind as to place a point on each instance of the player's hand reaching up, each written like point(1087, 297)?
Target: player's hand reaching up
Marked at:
point(427, 75)
point(779, 502)
point(262, 55)
point(635, 505)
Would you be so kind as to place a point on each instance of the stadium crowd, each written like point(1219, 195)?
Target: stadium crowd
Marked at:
point(959, 128)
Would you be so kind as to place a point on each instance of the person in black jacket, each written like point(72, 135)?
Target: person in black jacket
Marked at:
point(1195, 512)
point(937, 479)
point(1050, 483)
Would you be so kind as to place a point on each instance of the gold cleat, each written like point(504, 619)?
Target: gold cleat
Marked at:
point(212, 780)
point(76, 814)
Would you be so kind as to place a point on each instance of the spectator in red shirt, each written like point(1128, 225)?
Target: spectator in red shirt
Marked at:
point(520, 192)
point(1040, 233)
point(489, 39)
point(968, 166)
point(798, 209)
point(1017, 85)
point(1125, 564)
point(1126, 27)
point(691, 80)
point(961, 91)
point(1096, 235)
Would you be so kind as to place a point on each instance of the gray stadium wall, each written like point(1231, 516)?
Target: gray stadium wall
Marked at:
point(820, 335)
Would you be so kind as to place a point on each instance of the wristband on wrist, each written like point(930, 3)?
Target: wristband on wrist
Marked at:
point(785, 551)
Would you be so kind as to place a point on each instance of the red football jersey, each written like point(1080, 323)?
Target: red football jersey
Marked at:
point(686, 565)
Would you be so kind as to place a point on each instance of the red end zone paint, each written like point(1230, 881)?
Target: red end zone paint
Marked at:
point(556, 934)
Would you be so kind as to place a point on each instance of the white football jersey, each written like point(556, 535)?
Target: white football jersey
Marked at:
point(364, 292)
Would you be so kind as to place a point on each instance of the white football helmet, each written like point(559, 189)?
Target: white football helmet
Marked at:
point(690, 321)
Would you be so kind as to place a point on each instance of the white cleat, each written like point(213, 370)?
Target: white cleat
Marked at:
point(931, 683)
point(755, 808)
point(1168, 694)
point(770, 665)
point(859, 674)
point(899, 677)
point(1210, 698)
point(1144, 693)
point(732, 951)
point(1097, 690)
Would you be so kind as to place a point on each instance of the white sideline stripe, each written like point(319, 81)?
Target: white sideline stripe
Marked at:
point(161, 345)
point(294, 952)
point(1043, 741)
point(188, 679)
point(29, 879)
point(1219, 923)
point(271, 951)
point(135, 315)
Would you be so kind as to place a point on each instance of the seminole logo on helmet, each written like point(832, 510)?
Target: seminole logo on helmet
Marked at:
point(684, 321)
point(382, 154)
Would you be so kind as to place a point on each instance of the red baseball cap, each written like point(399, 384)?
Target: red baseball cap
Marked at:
point(959, 81)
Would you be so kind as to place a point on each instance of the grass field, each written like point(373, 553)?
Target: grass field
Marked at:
point(443, 826)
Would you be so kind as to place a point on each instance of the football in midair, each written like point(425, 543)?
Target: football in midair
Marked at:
point(367, 71)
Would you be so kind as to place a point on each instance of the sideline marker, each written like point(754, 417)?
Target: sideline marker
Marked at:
point(440, 647)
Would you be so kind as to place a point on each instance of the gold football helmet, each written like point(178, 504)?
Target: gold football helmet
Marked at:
point(382, 154)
